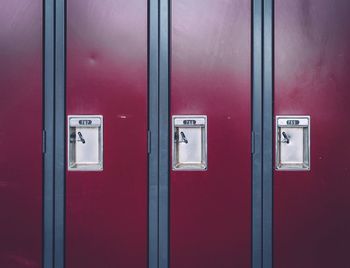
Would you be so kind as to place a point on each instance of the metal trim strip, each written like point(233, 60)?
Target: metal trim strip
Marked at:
point(164, 57)
point(267, 203)
point(59, 184)
point(153, 125)
point(257, 61)
point(48, 118)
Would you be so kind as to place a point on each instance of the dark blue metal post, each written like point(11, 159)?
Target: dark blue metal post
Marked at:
point(48, 134)
point(267, 133)
point(60, 69)
point(159, 133)
point(257, 68)
point(153, 122)
point(164, 25)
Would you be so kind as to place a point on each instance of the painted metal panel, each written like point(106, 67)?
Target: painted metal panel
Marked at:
point(311, 219)
point(106, 211)
point(210, 211)
point(21, 133)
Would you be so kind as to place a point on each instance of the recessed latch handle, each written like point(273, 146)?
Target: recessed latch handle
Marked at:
point(73, 139)
point(285, 137)
point(183, 137)
point(81, 137)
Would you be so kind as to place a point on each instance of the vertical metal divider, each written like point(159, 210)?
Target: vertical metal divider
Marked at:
point(257, 81)
point(60, 98)
point(48, 131)
point(158, 82)
point(153, 129)
point(268, 14)
point(164, 61)
point(262, 136)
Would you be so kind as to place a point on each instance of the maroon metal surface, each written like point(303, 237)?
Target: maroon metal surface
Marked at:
point(210, 211)
point(106, 212)
point(311, 209)
point(20, 133)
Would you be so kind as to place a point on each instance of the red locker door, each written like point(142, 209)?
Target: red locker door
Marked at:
point(106, 211)
point(210, 210)
point(311, 208)
point(21, 133)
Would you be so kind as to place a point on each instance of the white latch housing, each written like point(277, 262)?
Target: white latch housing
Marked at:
point(85, 142)
point(189, 138)
point(293, 143)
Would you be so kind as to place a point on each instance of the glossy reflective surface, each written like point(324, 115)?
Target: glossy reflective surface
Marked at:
point(210, 211)
point(106, 211)
point(311, 209)
point(21, 133)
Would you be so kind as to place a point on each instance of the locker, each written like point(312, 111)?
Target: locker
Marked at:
point(210, 208)
point(21, 132)
point(311, 225)
point(106, 95)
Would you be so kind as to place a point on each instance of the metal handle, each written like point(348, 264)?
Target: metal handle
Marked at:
point(286, 138)
point(81, 137)
point(183, 137)
point(73, 138)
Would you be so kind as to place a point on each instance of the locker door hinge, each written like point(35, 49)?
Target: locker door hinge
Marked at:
point(148, 141)
point(44, 141)
point(253, 142)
